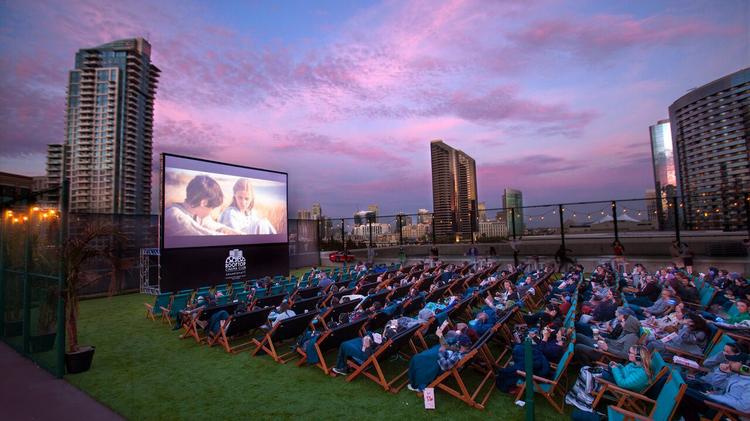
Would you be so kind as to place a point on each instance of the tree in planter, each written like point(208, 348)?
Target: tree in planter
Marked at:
point(78, 251)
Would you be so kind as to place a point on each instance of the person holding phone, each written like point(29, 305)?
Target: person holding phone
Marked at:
point(427, 365)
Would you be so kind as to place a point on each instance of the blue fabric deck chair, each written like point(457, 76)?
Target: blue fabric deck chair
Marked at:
point(329, 340)
point(161, 301)
point(307, 292)
point(389, 347)
point(179, 303)
point(305, 304)
point(240, 326)
point(284, 330)
point(331, 314)
point(192, 326)
point(452, 382)
point(549, 387)
point(269, 300)
point(664, 406)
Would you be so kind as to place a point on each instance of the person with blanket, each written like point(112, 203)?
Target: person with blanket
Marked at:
point(427, 365)
point(635, 376)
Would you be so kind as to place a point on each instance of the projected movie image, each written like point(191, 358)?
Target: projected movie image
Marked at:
point(210, 204)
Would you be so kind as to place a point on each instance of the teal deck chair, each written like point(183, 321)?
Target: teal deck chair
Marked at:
point(663, 407)
point(161, 301)
point(179, 303)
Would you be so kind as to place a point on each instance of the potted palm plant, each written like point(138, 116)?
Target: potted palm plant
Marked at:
point(77, 252)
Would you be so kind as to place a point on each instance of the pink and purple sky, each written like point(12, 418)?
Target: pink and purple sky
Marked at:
point(550, 97)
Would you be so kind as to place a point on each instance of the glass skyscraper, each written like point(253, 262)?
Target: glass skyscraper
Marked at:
point(513, 199)
point(454, 193)
point(109, 128)
point(711, 136)
point(665, 179)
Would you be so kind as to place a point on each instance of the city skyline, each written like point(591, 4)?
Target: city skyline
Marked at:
point(553, 96)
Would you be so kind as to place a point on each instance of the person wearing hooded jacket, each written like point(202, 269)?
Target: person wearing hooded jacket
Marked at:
point(587, 348)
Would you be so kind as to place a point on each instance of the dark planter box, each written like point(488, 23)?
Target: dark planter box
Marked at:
point(42, 343)
point(13, 329)
point(80, 361)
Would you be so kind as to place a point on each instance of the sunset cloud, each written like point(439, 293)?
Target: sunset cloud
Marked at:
point(548, 97)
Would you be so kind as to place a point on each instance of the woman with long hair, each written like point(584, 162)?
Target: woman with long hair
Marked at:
point(241, 215)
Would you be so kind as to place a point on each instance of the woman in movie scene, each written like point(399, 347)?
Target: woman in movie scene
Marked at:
point(240, 214)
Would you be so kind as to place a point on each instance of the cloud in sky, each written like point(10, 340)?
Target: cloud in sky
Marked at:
point(546, 97)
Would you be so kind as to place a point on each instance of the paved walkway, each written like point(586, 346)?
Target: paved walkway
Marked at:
point(28, 392)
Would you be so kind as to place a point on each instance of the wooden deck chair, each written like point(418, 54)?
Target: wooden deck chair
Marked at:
point(479, 356)
point(437, 294)
point(161, 301)
point(660, 369)
point(332, 339)
point(426, 283)
point(663, 407)
point(705, 296)
point(399, 292)
point(549, 387)
point(377, 322)
point(241, 297)
point(462, 310)
point(413, 305)
point(421, 334)
point(331, 314)
point(389, 347)
point(179, 303)
point(276, 289)
point(379, 297)
point(192, 326)
point(269, 300)
point(238, 326)
point(305, 304)
point(710, 349)
point(725, 412)
point(307, 292)
point(286, 329)
point(201, 291)
point(364, 289)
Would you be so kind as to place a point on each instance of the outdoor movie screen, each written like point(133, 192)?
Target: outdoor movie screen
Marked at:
point(207, 204)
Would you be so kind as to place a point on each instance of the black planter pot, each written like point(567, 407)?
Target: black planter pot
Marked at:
point(79, 361)
point(42, 343)
point(14, 328)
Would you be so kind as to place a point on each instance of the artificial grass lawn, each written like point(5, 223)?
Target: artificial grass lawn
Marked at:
point(143, 371)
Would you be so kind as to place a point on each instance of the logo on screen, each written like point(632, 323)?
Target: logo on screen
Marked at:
point(235, 264)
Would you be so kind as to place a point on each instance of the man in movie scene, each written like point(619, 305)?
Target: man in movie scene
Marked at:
point(193, 216)
point(240, 214)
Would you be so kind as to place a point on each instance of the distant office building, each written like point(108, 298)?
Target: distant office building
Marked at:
point(513, 204)
point(423, 216)
point(419, 232)
point(304, 214)
point(454, 193)
point(493, 229)
point(652, 214)
point(374, 209)
point(482, 212)
point(51, 197)
point(711, 135)
point(317, 212)
point(363, 231)
point(405, 219)
point(15, 191)
point(364, 217)
point(109, 128)
point(665, 178)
